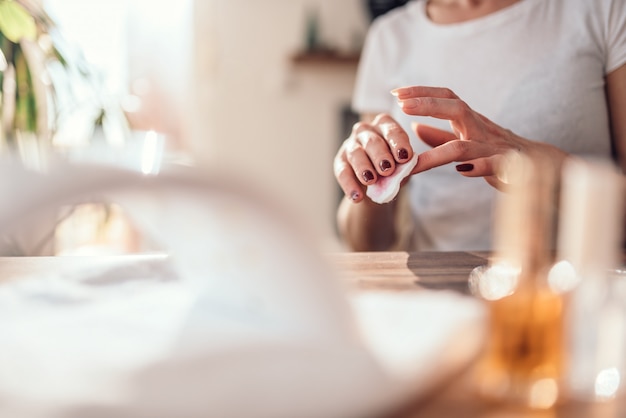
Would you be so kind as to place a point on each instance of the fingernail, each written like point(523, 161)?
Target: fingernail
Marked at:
point(400, 91)
point(464, 167)
point(354, 195)
point(403, 154)
point(385, 165)
point(368, 176)
point(408, 103)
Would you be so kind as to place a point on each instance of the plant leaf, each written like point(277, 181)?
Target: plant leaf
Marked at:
point(15, 22)
point(25, 101)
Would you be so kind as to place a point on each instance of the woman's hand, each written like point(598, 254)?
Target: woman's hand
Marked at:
point(476, 142)
point(372, 150)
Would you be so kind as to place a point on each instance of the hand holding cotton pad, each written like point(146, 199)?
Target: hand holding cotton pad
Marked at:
point(386, 188)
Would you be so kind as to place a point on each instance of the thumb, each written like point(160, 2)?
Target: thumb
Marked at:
point(431, 135)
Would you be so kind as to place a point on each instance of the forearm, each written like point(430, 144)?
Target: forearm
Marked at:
point(367, 226)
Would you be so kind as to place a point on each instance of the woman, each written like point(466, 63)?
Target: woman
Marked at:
point(545, 76)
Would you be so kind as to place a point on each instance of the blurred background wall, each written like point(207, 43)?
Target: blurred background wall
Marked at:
point(220, 78)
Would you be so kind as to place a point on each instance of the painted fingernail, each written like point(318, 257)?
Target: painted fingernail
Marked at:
point(368, 176)
point(464, 167)
point(385, 165)
point(403, 154)
point(354, 196)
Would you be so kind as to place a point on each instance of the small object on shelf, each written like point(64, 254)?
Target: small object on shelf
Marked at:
point(312, 31)
point(316, 51)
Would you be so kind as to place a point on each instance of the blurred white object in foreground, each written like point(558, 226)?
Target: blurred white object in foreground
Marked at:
point(239, 316)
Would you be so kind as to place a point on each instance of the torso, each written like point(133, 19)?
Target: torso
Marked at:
point(536, 67)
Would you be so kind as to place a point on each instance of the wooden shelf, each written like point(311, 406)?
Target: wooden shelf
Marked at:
point(324, 57)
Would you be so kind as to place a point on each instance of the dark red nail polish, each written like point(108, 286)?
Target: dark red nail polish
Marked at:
point(403, 154)
point(368, 176)
point(464, 167)
point(354, 195)
point(385, 165)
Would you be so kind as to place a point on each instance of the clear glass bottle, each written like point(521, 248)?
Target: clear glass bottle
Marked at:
point(590, 232)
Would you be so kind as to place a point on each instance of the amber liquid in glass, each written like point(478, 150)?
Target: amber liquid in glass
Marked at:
point(523, 358)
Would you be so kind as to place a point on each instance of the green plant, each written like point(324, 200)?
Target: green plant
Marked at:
point(50, 97)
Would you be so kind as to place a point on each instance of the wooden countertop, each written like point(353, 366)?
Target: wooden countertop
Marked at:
point(410, 272)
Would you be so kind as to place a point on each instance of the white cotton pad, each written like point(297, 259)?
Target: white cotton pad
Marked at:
point(386, 188)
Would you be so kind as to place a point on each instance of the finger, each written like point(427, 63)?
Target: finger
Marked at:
point(497, 183)
point(361, 164)
point(481, 167)
point(449, 109)
point(451, 151)
point(397, 139)
point(346, 178)
point(376, 149)
point(423, 91)
point(431, 135)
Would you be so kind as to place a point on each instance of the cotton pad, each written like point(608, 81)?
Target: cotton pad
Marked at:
point(386, 188)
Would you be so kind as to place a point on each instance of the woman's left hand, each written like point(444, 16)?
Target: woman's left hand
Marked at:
point(480, 145)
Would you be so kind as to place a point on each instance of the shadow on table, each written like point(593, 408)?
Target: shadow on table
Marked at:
point(445, 270)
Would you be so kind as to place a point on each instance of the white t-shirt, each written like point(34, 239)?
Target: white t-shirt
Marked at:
point(536, 67)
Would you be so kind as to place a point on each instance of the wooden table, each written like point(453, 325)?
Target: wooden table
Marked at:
point(410, 272)
point(406, 272)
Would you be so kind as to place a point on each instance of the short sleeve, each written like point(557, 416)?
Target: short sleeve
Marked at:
point(371, 91)
point(616, 35)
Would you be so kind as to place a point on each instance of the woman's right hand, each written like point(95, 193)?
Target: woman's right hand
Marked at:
point(373, 149)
